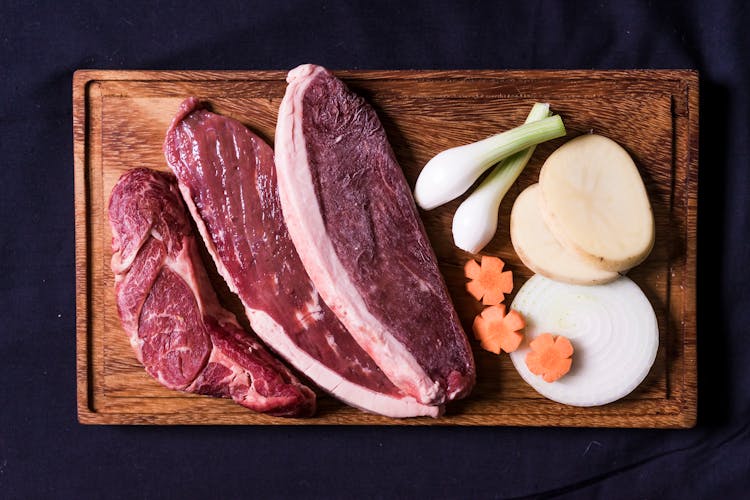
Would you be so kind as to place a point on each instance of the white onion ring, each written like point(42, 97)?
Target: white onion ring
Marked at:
point(613, 330)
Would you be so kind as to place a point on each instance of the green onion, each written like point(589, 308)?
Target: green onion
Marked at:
point(475, 221)
point(449, 174)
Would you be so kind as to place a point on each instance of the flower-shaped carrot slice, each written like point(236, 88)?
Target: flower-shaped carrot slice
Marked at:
point(549, 356)
point(488, 282)
point(498, 331)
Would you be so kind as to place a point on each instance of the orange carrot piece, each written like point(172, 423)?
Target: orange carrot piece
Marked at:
point(550, 356)
point(498, 331)
point(488, 282)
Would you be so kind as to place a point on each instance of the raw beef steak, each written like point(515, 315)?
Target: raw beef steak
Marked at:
point(228, 180)
point(352, 218)
point(178, 330)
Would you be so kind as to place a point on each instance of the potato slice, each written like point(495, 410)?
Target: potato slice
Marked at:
point(594, 202)
point(540, 251)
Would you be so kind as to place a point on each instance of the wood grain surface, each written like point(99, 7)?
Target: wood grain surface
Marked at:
point(119, 122)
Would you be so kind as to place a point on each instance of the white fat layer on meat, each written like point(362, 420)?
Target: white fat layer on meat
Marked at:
point(120, 264)
point(311, 311)
point(352, 394)
point(306, 227)
point(331, 341)
point(237, 376)
point(137, 344)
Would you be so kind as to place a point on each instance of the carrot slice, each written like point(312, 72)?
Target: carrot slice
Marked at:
point(498, 331)
point(488, 282)
point(550, 356)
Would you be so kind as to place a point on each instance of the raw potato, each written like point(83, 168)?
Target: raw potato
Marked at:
point(540, 251)
point(595, 203)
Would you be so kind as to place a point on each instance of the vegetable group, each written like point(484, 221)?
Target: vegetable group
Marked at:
point(588, 220)
point(613, 328)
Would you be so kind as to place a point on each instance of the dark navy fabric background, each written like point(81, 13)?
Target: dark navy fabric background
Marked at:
point(45, 453)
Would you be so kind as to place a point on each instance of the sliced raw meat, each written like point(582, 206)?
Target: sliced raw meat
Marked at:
point(228, 180)
point(178, 330)
point(352, 218)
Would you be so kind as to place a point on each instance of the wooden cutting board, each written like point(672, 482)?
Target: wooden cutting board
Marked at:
point(119, 122)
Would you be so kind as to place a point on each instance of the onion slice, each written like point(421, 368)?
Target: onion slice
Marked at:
point(613, 330)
